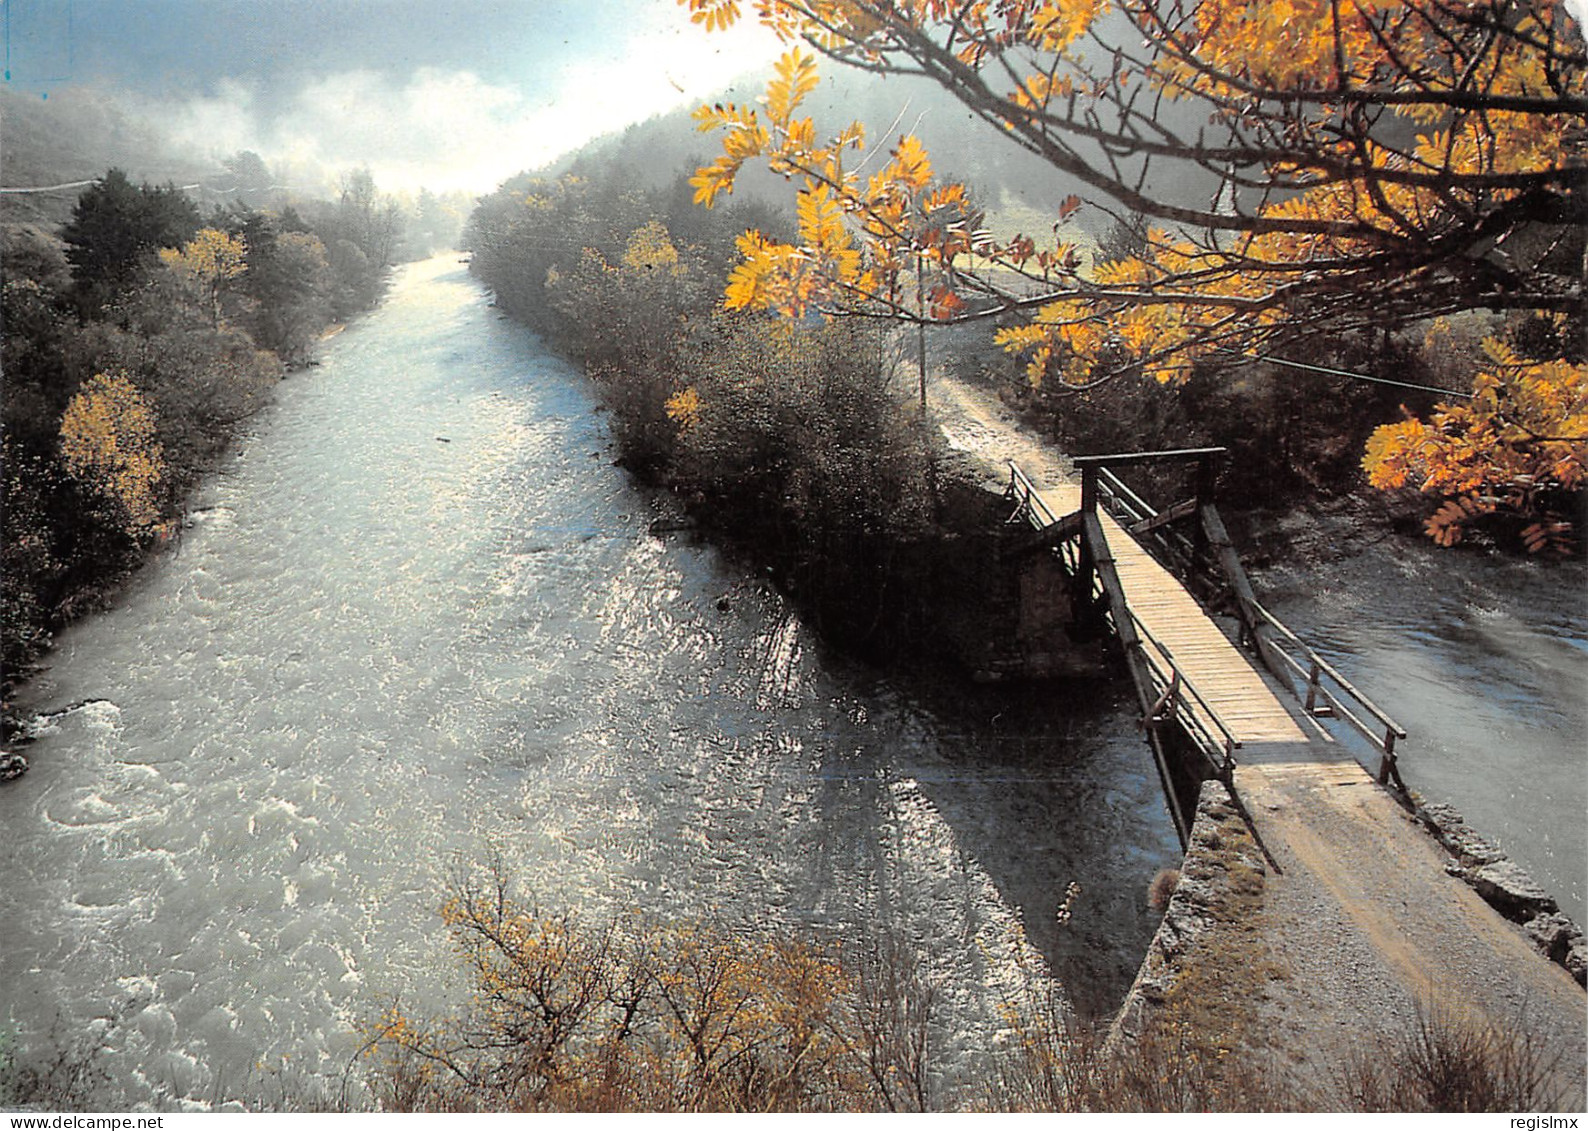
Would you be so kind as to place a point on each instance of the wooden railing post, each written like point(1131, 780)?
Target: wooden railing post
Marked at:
point(1206, 478)
point(1386, 766)
point(1083, 601)
point(1019, 495)
point(1203, 489)
point(1168, 703)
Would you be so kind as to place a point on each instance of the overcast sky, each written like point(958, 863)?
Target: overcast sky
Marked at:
point(449, 94)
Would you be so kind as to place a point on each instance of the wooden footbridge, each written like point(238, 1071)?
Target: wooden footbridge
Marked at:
point(1207, 704)
point(1359, 911)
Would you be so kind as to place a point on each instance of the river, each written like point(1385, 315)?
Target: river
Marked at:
point(1484, 661)
point(419, 619)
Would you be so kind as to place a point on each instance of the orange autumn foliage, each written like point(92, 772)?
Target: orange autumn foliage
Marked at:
point(1519, 445)
point(1361, 166)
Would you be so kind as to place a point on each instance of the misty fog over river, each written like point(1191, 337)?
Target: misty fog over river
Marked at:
point(420, 618)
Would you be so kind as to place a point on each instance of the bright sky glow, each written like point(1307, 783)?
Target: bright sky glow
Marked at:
point(451, 96)
point(451, 129)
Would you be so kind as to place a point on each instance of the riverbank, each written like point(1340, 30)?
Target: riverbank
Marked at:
point(141, 339)
point(102, 582)
point(378, 655)
point(1315, 943)
point(1480, 656)
point(55, 587)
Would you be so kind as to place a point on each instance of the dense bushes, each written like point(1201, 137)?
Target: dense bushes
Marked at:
point(137, 344)
point(571, 1013)
point(1290, 438)
point(787, 437)
point(790, 433)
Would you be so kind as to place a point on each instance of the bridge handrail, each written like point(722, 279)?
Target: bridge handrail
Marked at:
point(1135, 506)
point(1313, 671)
point(1226, 738)
point(1136, 509)
point(1035, 506)
point(1128, 459)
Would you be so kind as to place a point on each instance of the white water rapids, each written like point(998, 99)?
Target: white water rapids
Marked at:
point(420, 618)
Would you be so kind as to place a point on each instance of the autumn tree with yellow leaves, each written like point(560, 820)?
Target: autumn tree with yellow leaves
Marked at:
point(1516, 446)
point(136, 345)
point(569, 1014)
point(108, 441)
point(1362, 166)
point(210, 262)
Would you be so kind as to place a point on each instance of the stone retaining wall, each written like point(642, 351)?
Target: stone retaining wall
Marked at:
point(1216, 878)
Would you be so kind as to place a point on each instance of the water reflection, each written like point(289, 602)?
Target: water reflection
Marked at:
point(377, 653)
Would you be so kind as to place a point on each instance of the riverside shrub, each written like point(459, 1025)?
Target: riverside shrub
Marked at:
point(790, 438)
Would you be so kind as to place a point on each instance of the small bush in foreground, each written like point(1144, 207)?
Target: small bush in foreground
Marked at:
point(1444, 1064)
point(566, 1016)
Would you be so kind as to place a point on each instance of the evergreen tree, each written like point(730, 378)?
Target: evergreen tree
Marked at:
point(114, 232)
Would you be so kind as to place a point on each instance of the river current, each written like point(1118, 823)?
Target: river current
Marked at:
point(1484, 661)
point(419, 620)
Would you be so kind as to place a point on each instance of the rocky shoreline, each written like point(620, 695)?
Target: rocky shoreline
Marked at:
point(1288, 547)
point(1507, 888)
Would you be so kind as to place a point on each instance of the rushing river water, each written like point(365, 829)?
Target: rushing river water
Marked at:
point(419, 619)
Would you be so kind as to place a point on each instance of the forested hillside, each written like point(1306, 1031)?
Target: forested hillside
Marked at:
point(144, 326)
point(74, 136)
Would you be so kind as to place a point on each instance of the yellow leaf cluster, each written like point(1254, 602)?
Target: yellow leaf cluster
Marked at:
point(1525, 430)
point(713, 15)
point(650, 248)
point(758, 282)
point(794, 77)
point(683, 408)
point(823, 236)
point(1056, 24)
point(211, 256)
point(746, 137)
point(108, 441)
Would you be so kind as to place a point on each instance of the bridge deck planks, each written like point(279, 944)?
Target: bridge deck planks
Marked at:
point(1242, 696)
point(1354, 878)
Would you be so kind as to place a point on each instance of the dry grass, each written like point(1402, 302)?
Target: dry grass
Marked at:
point(1161, 890)
point(1445, 1064)
point(61, 1074)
